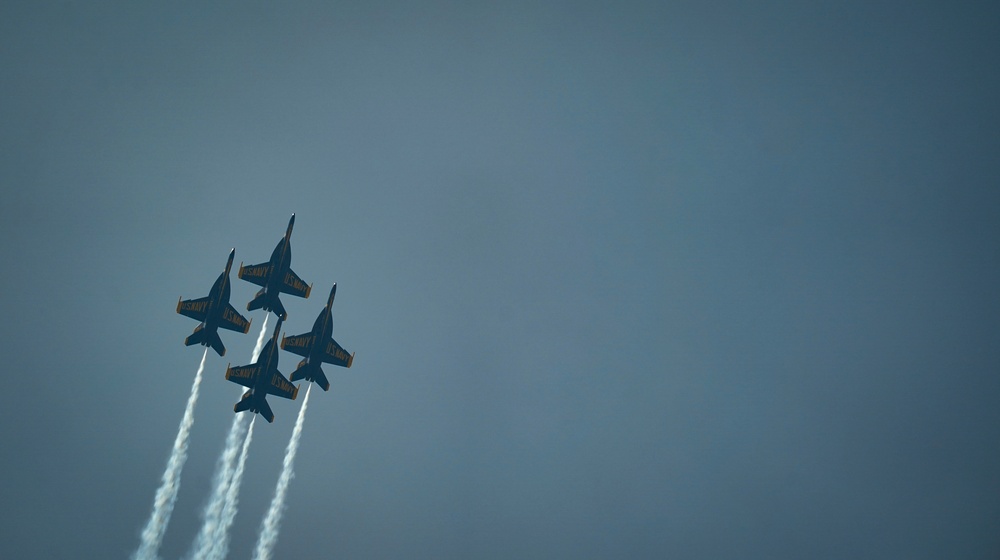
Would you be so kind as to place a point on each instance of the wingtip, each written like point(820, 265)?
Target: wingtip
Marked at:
point(309, 290)
point(227, 370)
point(179, 304)
point(350, 361)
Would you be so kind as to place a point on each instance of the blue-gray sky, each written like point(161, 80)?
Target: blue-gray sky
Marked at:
point(644, 280)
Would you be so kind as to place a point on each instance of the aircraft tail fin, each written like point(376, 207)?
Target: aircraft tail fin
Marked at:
point(265, 411)
point(260, 301)
point(206, 338)
point(279, 309)
point(217, 344)
point(244, 403)
point(257, 302)
point(321, 380)
point(197, 337)
point(300, 372)
point(311, 372)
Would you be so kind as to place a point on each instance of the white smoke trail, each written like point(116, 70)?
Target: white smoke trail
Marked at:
point(212, 516)
point(220, 485)
point(261, 338)
point(272, 521)
point(221, 545)
point(166, 494)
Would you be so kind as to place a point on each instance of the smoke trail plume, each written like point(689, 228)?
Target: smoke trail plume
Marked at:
point(224, 470)
point(166, 494)
point(221, 546)
point(220, 485)
point(272, 521)
point(261, 338)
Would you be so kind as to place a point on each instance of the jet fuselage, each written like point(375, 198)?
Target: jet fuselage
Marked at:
point(281, 259)
point(218, 297)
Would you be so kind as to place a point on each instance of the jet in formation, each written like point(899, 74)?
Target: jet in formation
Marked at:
point(318, 346)
point(275, 276)
point(263, 378)
point(214, 311)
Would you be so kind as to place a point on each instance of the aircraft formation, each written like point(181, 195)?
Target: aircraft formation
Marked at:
point(262, 377)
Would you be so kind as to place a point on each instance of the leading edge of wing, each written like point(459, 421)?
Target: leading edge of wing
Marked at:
point(233, 320)
point(196, 309)
point(282, 387)
point(242, 375)
point(254, 273)
point(293, 285)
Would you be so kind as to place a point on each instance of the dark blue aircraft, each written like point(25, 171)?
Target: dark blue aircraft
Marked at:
point(318, 346)
point(263, 378)
point(275, 276)
point(214, 311)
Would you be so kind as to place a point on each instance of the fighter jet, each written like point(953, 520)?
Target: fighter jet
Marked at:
point(317, 346)
point(275, 276)
point(214, 311)
point(263, 378)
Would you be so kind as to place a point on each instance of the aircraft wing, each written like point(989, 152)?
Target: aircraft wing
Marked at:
point(282, 387)
point(255, 273)
point(196, 309)
point(335, 354)
point(299, 344)
point(292, 284)
point(232, 320)
point(243, 375)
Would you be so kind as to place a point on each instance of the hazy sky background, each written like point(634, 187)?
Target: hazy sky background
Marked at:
point(624, 280)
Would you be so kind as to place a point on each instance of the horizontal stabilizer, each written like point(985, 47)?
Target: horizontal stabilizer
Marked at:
point(300, 372)
point(321, 380)
point(217, 344)
point(310, 372)
point(262, 301)
point(197, 337)
point(206, 338)
point(265, 411)
point(244, 404)
point(279, 309)
point(257, 302)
